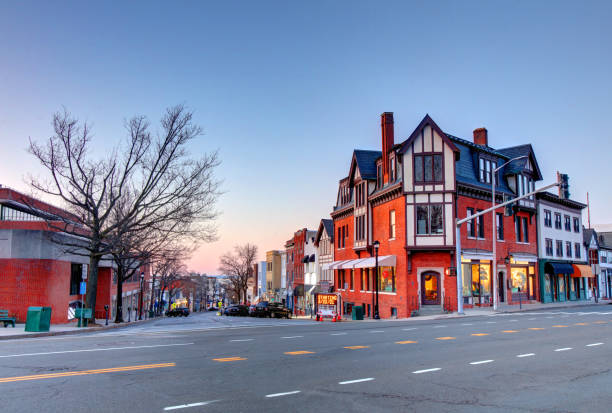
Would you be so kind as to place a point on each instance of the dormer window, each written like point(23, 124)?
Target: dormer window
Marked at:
point(486, 168)
point(392, 169)
point(428, 168)
point(360, 194)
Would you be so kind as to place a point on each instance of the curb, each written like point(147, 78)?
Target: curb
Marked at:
point(78, 331)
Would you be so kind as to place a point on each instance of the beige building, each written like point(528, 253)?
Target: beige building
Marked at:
point(273, 275)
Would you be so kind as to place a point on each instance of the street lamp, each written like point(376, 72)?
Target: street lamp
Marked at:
point(141, 293)
point(376, 315)
point(494, 221)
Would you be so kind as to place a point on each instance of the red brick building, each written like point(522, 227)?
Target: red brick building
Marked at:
point(35, 271)
point(294, 249)
point(408, 197)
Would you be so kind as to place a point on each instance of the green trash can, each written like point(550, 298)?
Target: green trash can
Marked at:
point(357, 312)
point(85, 316)
point(38, 319)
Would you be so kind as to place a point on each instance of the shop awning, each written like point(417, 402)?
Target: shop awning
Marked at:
point(582, 271)
point(476, 254)
point(336, 265)
point(524, 257)
point(364, 263)
point(370, 262)
point(558, 268)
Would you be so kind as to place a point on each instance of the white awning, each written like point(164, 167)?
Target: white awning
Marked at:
point(365, 263)
point(387, 261)
point(347, 265)
point(337, 264)
point(524, 257)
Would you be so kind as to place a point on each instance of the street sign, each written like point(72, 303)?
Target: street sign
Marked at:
point(84, 272)
point(83, 288)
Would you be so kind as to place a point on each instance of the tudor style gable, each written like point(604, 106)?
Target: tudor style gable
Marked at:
point(428, 159)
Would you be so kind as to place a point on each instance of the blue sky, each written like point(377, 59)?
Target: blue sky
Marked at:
point(286, 90)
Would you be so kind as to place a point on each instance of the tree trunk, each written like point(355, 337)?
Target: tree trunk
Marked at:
point(119, 296)
point(92, 285)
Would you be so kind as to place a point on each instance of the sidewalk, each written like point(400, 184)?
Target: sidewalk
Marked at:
point(488, 311)
point(9, 333)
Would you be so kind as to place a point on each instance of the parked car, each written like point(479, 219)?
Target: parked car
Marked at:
point(178, 312)
point(238, 309)
point(278, 310)
point(267, 309)
point(252, 308)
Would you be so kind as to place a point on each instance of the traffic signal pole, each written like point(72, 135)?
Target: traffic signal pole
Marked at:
point(471, 217)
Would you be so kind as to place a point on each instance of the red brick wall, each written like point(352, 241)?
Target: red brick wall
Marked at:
point(25, 283)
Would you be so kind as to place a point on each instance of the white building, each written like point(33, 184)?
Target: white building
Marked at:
point(605, 264)
point(562, 256)
point(324, 241)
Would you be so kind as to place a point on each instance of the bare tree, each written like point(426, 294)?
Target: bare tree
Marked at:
point(170, 269)
point(239, 267)
point(164, 183)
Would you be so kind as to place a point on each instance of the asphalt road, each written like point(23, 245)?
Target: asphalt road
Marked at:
point(547, 361)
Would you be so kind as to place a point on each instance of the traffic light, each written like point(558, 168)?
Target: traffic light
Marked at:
point(563, 181)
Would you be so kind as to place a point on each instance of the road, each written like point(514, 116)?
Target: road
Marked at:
point(547, 361)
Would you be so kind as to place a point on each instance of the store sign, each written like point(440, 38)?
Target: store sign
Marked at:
point(327, 299)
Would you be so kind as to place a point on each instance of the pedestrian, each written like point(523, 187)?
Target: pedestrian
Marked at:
point(595, 293)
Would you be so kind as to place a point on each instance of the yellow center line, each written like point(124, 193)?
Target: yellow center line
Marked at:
point(581, 324)
point(510, 331)
point(560, 326)
point(222, 360)
point(445, 338)
point(535, 328)
point(405, 342)
point(85, 372)
point(356, 347)
point(480, 334)
point(294, 353)
point(599, 322)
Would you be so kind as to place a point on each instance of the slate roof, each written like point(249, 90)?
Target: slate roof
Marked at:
point(605, 240)
point(366, 162)
point(587, 234)
point(329, 227)
point(518, 165)
point(466, 168)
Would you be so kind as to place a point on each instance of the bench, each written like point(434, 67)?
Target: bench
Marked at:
point(6, 319)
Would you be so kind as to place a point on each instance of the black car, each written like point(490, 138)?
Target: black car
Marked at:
point(252, 309)
point(238, 309)
point(178, 312)
point(267, 309)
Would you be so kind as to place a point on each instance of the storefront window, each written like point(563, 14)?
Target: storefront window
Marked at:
point(481, 280)
point(386, 277)
point(467, 279)
point(519, 279)
point(547, 284)
point(561, 284)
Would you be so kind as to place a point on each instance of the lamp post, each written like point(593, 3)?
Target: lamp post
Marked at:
point(141, 293)
point(376, 315)
point(494, 221)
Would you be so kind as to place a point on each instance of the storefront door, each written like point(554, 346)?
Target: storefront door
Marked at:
point(430, 288)
point(501, 287)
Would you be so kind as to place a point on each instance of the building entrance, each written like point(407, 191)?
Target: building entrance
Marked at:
point(430, 288)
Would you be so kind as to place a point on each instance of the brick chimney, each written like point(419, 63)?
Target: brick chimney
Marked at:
point(386, 125)
point(481, 137)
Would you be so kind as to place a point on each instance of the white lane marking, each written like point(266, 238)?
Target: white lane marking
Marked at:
point(337, 334)
point(409, 329)
point(564, 349)
point(426, 370)
point(491, 322)
point(526, 355)
point(594, 344)
point(548, 317)
point(377, 331)
point(439, 326)
point(512, 320)
point(356, 381)
point(283, 394)
point(94, 349)
point(532, 318)
point(481, 362)
point(293, 337)
point(183, 406)
point(467, 324)
point(243, 339)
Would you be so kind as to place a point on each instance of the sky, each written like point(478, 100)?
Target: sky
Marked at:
point(286, 90)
